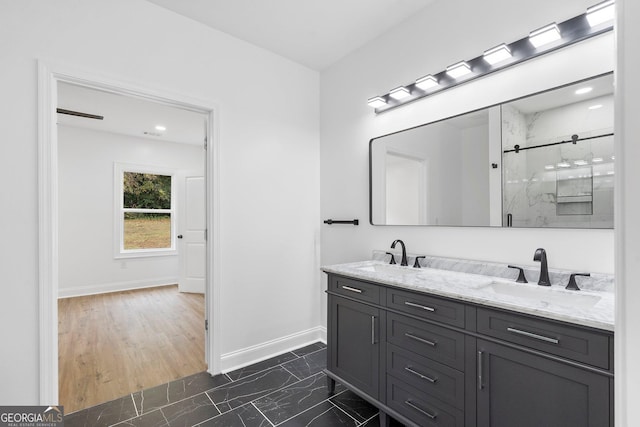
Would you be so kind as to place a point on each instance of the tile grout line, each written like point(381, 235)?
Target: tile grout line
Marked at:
point(294, 375)
point(370, 418)
point(257, 372)
point(265, 417)
point(213, 403)
point(311, 407)
point(348, 415)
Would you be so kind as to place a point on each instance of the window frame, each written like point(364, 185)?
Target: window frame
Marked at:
point(119, 211)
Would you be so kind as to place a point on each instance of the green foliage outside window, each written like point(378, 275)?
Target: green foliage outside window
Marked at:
point(146, 191)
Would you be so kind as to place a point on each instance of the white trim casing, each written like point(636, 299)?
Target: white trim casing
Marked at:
point(49, 74)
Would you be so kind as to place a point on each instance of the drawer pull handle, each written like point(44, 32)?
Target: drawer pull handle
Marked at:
point(349, 288)
point(532, 335)
point(422, 340)
point(373, 330)
point(422, 376)
point(480, 370)
point(422, 411)
point(424, 307)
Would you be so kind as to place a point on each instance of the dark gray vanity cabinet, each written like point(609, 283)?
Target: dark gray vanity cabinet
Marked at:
point(523, 389)
point(354, 352)
point(432, 361)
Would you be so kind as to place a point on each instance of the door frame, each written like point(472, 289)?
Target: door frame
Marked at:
point(49, 74)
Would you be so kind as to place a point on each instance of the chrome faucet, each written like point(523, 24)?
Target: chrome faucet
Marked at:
point(404, 251)
point(541, 256)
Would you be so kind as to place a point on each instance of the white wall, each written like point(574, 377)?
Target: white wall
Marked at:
point(347, 124)
point(86, 197)
point(269, 177)
point(627, 348)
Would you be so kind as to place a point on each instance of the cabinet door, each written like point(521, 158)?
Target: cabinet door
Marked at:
point(515, 388)
point(354, 344)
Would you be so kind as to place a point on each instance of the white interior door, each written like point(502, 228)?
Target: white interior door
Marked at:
point(191, 236)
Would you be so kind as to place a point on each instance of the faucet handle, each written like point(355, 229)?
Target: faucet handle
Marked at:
point(416, 264)
point(521, 277)
point(393, 260)
point(572, 285)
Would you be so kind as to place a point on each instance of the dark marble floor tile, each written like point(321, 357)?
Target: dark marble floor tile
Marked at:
point(105, 414)
point(308, 349)
point(253, 387)
point(190, 411)
point(283, 404)
point(261, 366)
point(165, 394)
point(375, 422)
point(355, 406)
point(324, 414)
point(244, 416)
point(308, 365)
point(152, 419)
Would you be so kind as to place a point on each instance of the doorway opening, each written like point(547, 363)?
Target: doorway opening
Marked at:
point(60, 275)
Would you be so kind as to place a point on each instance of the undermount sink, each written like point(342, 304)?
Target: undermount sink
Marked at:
point(543, 294)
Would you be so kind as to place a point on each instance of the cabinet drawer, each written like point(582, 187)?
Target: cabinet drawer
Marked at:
point(426, 306)
point(425, 339)
point(426, 375)
point(362, 291)
point(562, 340)
point(420, 407)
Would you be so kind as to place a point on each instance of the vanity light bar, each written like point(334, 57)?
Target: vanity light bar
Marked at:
point(601, 13)
point(545, 35)
point(539, 42)
point(376, 102)
point(399, 93)
point(459, 69)
point(426, 82)
point(497, 54)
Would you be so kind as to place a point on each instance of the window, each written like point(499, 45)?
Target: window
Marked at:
point(145, 212)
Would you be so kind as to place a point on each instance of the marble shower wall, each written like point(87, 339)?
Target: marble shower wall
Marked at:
point(566, 185)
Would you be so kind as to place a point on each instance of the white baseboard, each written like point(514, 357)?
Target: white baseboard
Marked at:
point(103, 288)
point(256, 353)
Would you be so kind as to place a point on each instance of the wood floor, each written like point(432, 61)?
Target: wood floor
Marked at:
point(115, 344)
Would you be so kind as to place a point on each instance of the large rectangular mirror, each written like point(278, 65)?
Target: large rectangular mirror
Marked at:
point(545, 160)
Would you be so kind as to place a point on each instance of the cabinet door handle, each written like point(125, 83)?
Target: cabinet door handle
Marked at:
point(422, 376)
point(373, 329)
point(480, 370)
point(424, 307)
point(422, 411)
point(349, 288)
point(532, 335)
point(422, 340)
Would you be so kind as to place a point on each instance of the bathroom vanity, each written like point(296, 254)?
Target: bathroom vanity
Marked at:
point(432, 347)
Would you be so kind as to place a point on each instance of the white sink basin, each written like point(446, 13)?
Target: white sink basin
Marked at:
point(543, 294)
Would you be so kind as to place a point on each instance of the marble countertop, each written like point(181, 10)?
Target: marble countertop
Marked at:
point(587, 307)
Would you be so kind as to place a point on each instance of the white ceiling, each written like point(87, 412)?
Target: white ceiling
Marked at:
point(129, 116)
point(314, 33)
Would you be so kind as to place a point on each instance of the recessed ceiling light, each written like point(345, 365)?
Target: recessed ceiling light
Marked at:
point(595, 107)
point(376, 102)
point(426, 82)
point(564, 165)
point(584, 90)
point(613, 157)
point(600, 13)
point(161, 128)
point(497, 54)
point(399, 93)
point(545, 35)
point(458, 70)
point(596, 159)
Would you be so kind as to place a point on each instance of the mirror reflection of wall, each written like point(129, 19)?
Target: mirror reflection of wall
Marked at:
point(464, 170)
point(551, 183)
